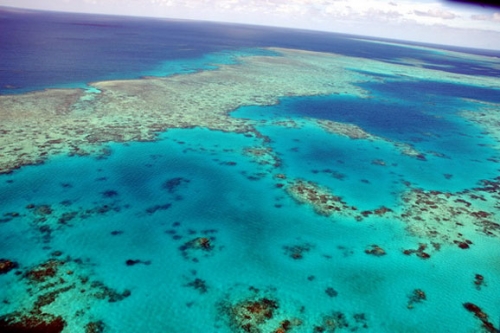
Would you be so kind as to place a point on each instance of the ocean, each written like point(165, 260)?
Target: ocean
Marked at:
point(369, 207)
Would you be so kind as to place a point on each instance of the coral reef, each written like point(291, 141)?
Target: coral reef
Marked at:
point(331, 292)
point(44, 286)
point(297, 251)
point(198, 284)
point(419, 252)
point(37, 125)
point(320, 198)
point(249, 315)
point(417, 296)
point(44, 271)
point(479, 281)
point(375, 250)
point(7, 265)
point(482, 316)
point(173, 184)
point(132, 262)
point(200, 244)
point(35, 323)
point(95, 327)
point(357, 133)
point(445, 217)
point(263, 155)
point(338, 320)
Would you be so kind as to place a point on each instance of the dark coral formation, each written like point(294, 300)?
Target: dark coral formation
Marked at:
point(50, 297)
point(375, 250)
point(259, 315)
point(41, 323)
point(199, 244)
point(153, 209)
point(132, 262)
point(102, 292)
point(45, 283)
point(43, 210)
point(331, 292)
point(338, 320)
point(44, 271)
point(7, 265)
point(9, 216)
point(379, 162)
point(479, 281)
point(287, 325)
point(324, 202)
point(332, 322)
point(357, 133)
point(321, 199)
point(262, 311)
point(198, 284)
point(297, 251)
point(195, 248)
point(334, 173)
point(49, 217)
point(95, 327)
point(109, 194)
point(417, 296)
point(420, 252)
point(263, 155)
point(443, 215)
point(482, 316)
point(463, 244)
point(382, 211)
point(249, 315)
point(172, 185)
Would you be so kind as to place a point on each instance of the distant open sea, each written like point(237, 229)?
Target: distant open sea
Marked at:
point(44, 49)
point(188, 234)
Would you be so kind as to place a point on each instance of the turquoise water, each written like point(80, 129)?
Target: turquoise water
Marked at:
point(126, 227)
point(251, 222)
point(452, 146)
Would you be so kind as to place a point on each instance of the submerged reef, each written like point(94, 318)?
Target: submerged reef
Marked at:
point(47, 287)
point(256, 310)
point(417, 296)
point(375, 250)
point(296, 252)
point(7, 265)
point(257, 313)
point(449, 217)
point(441, 217)
point(250, 314)
point(47, 217)
point(482, 316)
point(263, 155)
point(37, 125)
point(196, 244)
point(421, 251)
point(357, 133)
point(32, 324)
point(73, 121)
point(321, 198)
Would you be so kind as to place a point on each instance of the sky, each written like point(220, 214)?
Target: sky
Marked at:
point(431, 21)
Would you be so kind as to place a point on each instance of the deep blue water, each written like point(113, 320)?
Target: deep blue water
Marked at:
point(73, 49)
point(398, 110)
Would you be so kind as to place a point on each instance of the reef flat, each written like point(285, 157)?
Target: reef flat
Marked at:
point(41, 124)
point(355, 132)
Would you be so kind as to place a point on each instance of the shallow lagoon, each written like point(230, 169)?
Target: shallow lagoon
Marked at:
point(255, 229)
point(198, 228)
